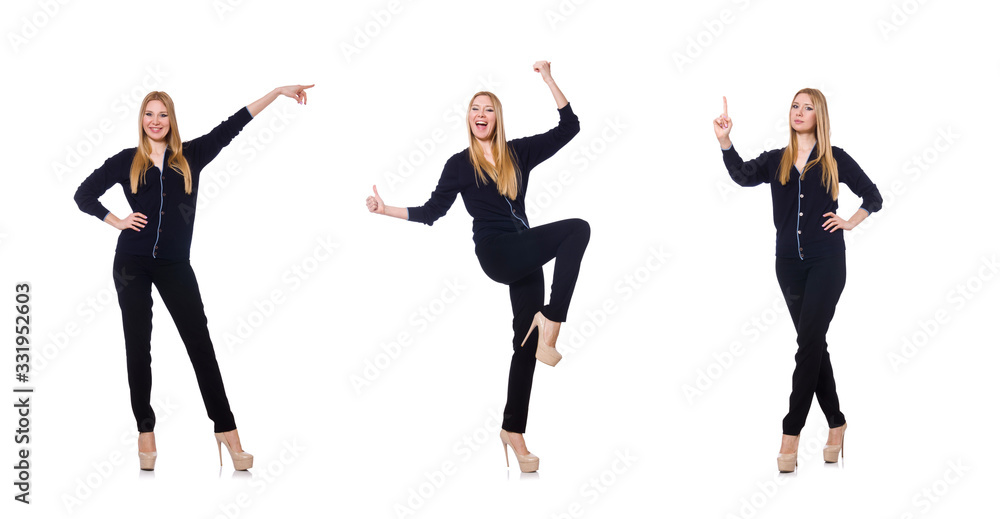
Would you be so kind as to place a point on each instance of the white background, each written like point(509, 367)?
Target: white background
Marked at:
point(420, 439)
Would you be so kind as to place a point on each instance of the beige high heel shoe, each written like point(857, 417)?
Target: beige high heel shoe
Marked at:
point(241, 460)
point(788, 461)
point(147, 460)
point(545, 352)
point(528, 463)
point(832, 453)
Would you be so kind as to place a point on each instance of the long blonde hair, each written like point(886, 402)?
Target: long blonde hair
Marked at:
point(824, 154)
point(141, 162)
point(504, 173)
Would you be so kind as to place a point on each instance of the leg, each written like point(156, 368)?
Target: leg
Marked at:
point(792, 281)
point(133, 283)
point(179, 289)
point(824, 282)
point(526, 298)
point(826, 387)
point(510, 257)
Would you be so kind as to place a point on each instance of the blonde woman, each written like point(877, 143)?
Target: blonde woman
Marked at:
point(809, 255)
point(492, 177)
point(160, 180)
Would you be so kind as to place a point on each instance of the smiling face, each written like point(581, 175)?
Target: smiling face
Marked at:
point(156, 120)
point(482, 118)
point(802, 114)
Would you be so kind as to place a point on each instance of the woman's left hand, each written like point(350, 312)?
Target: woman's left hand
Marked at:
point(835, 222)
point(298, 92)
point(544, 68)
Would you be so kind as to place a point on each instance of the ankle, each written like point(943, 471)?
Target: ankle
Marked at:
point(233, 438)
point(146, 442)
point(836, 435)
point(789, 444)
point(550, 328)
point(517, 442)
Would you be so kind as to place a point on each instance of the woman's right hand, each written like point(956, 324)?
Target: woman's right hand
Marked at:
point(134, 221)
point(375, 204)
point(723, 125)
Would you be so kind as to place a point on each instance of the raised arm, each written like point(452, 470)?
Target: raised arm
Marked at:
point(544, 68)
point(204, 149)
point(749, 173)
point(532, 151)
point(297, 92)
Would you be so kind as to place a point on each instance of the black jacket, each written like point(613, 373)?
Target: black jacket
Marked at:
point(169, 210)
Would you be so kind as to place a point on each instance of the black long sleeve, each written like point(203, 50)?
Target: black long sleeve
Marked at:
point(98, 182)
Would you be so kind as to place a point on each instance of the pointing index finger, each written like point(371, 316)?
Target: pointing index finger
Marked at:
point(725, 106)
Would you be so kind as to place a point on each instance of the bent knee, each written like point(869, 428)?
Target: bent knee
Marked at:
point(582, 228)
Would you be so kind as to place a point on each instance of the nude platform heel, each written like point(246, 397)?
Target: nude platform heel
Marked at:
point(147, 460)
point(545, 352)
point(788, 461)
point(241, 460)
point(528, 463)
point(832, 453)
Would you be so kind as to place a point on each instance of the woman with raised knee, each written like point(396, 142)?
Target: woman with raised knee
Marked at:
point(492, 176)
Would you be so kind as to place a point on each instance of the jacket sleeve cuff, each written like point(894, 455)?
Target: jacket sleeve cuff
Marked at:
point(414, 214)
point(245, 115)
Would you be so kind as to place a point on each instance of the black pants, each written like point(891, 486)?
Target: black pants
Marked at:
point(516, 260)
point(134, 278)
point(812, 288)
